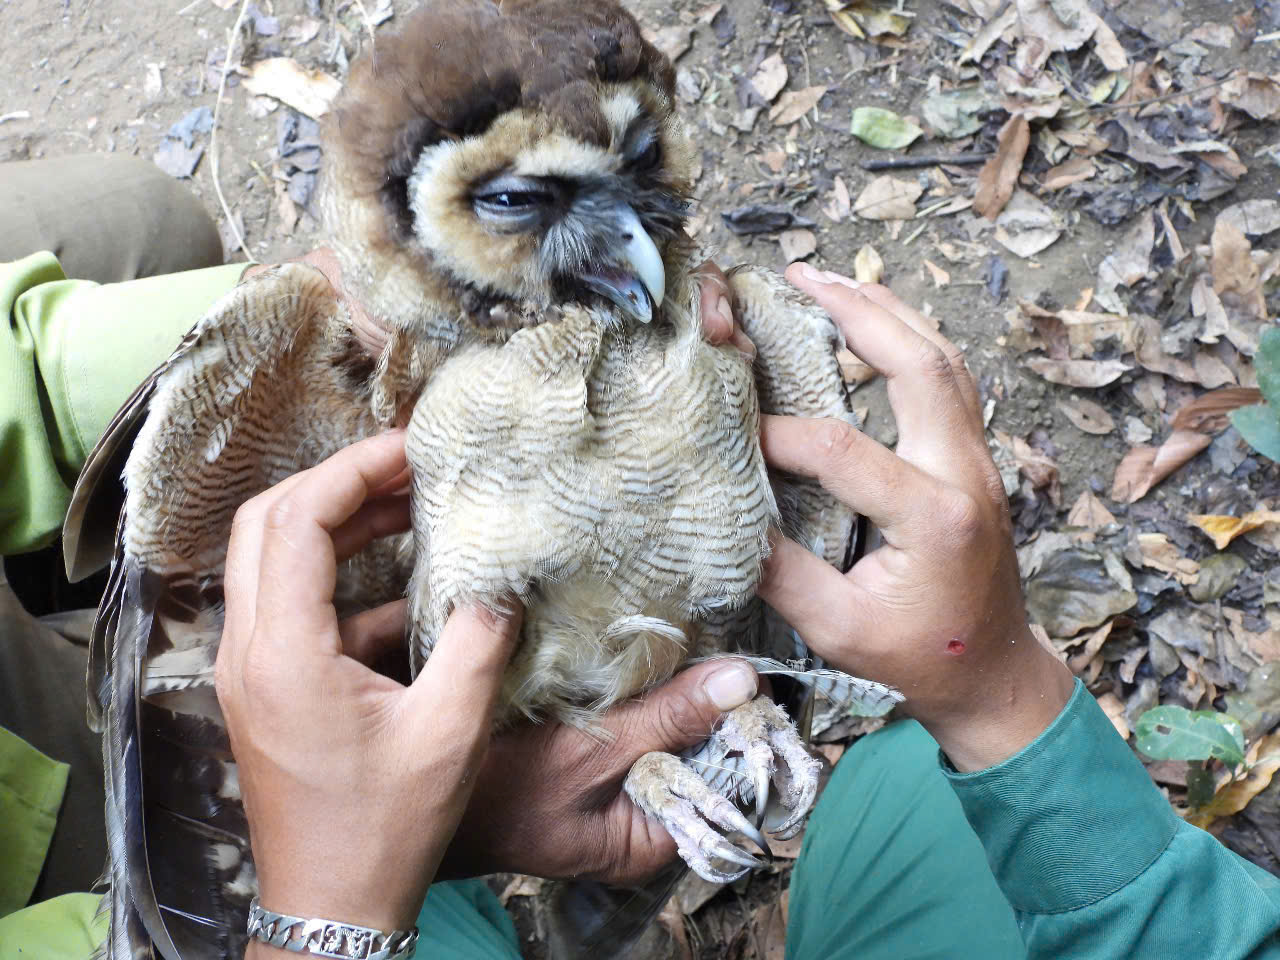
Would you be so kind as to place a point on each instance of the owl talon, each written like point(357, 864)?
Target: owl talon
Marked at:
point(763, 733)
point(695, 815)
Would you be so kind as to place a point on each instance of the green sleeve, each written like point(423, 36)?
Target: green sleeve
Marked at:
point(31, 790)
point(71, 353)
point(1095, 862)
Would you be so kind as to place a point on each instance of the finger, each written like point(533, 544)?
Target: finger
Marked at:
point(373, 634)
point(376, 519)
point(459, 684)
point(927, 328)
point(821, 604)
point(716, 304)
point(680, 713)
point(860, 472)
point(923, 391)
point(297, 568)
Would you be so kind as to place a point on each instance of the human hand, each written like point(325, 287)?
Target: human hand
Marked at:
point(353, 784)
point(549, 799)
point(937, 611)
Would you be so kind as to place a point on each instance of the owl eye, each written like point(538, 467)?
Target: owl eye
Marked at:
point(515, 199)
point(648, 158)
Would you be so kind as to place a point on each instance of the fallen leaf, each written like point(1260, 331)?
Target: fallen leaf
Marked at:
point(955, 113)
point(1234, 270)
point(310, 92)
point(794, 104)
point(1076, 590)
point(1159, 553)
point(1088, 416)
point(1129, 263)
point(797, 244)
point(1092, 645)
point(1222, 529)
point(1089, 512)
point(990, 32)
point(883, 129)
point(853, 370)
point(940, 277)
point(671, 919)
point(1079, 373)
point(1253, 217)
point(521, 886)
point(761, 218)
point(1113, 707)
point(692, 892)
point(868, 267)
point(1143, 467)
point(769, 928)
point(999, 175)
point(1264, 760)
point(1256, 94)
point(1036, 466)
point(1207, 413)
point(1027, 226)
point(674, 41)
point(1108, 47)
point(837, 203)
point(775, 159)
point(1263, 646)
point(1056, 24)
point(1072, 171)
point(1135, 431)
point(770, 78)
point(886, 198)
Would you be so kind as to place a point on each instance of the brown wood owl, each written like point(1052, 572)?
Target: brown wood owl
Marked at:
point(506, 189)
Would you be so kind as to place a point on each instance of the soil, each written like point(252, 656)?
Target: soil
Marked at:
point(80, 68)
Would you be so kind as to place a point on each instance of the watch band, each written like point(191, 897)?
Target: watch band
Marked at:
point(328, 938)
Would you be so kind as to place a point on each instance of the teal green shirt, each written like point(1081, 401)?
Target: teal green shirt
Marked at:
point(1097, 865)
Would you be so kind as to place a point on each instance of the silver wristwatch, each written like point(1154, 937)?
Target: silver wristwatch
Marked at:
point(329, 938)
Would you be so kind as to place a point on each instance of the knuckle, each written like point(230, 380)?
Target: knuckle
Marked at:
point(835, 440)
point(964, 516)
point(933, 361)
point(280, 514)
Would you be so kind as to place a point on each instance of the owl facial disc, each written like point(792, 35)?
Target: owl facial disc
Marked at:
point(637, 280)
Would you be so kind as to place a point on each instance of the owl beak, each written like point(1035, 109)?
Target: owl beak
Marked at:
point(637, 282)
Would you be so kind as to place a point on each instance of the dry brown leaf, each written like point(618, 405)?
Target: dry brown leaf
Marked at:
point(1092, 644)
point(797, 244)
point(1143, 467)
point(521, 886)
point(1159, 553)
point(1222, 529)
point(1089, 512)
point(671, 919)
point(1253, 217)
point(1264, 759)
point(854, 370)
point(1079, 373)
point(1069, 172)
point(770, 78)
point(308, 91)
point(940, 277)
point(1264, 646)
point(868, 267)
point(1088, 416)
point(837, 203)
point(1256, 94)
point(794, 104)
point(1128, 264)
point(1086, 330)
point(769, 923)
point(674, 41)
point(999, 175)
point(1234, 270)
point(990, 32)
point(1036, 466)
point(1108, 48)
point(1207, 413)
point(1113, 707)
point(886, 198)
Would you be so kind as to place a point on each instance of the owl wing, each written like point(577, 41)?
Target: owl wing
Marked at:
point(260, 389)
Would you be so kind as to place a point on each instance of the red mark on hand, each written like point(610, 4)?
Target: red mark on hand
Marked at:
point(955, 647)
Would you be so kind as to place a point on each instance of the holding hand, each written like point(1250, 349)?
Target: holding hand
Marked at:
point(353, 784)
point(937, 611)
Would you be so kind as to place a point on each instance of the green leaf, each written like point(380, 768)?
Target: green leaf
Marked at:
point(1199, 784)
point(1260, 426)
point(1267, 364)
point(883, 128)
point(1176, 733)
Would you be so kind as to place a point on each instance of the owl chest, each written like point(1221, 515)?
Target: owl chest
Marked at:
point(622, 500)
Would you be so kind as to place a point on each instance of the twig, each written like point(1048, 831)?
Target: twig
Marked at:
point(213, 134)
point(926, 160)
point(1101, 107)
point(189, 7)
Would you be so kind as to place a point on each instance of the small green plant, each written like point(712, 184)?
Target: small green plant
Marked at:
point(1260, 424)
point(1196, 736)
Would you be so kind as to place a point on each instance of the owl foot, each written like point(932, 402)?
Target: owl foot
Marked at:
point(763, 733)
point(669, 791)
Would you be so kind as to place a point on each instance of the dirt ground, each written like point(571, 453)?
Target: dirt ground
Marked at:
point(116, 75)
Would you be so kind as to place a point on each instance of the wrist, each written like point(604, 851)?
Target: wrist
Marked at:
point(1008, 713)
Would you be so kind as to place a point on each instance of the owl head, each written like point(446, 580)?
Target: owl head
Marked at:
point(509, 156)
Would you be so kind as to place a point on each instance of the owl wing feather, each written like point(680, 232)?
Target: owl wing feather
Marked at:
point(216, 424)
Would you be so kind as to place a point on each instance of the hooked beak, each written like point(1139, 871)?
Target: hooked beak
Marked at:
point(637, 279)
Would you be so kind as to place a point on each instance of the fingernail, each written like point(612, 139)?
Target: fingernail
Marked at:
point(842, 280)
point(725, 310)
point(732, 685)
point(813, 274)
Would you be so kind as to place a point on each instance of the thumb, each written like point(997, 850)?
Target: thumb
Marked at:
point(463, 675)
point(683, 711)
